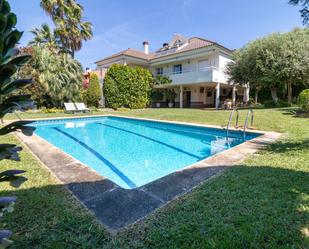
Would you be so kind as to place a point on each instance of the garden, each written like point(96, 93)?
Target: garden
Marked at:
point(263, 202)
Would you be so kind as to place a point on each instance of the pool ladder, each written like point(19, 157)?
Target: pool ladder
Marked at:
point(249, 115)
point(230, 120)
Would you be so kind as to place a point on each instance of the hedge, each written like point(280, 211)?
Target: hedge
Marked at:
point(303, 100)
point(126, 86)
point(93, 93)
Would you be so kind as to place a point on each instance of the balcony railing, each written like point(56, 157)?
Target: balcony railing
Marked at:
point(200, 75)
point(204, 69)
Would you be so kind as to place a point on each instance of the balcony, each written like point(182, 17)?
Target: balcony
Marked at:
point(208, 74)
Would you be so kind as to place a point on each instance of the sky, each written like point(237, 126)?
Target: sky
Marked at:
point(120, 24)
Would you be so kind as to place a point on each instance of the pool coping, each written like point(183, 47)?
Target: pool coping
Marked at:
point(117, 208)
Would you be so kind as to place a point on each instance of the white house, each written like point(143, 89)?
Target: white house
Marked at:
point(196, 67)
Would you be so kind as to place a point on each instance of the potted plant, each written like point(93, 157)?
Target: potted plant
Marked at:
point(170, 95)
point(156, 97)
point(229, 103)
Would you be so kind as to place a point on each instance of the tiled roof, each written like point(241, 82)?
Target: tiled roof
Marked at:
point(193, 43)
point(129, 52)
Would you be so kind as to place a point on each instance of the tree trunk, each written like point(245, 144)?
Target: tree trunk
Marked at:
point(290, 93)
point(257, 89)
point(274, 95)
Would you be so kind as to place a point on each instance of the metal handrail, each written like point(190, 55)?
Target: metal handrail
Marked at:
point(230, 120)
point(250, 111)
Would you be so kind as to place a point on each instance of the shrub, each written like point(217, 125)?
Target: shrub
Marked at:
point(162, 80)
point(126, 86)
point(283, 103)
point(156, 95)
point(170, 95)
point(10, 100)
point(123, 109)
point(303, 100)
point(51, 110)
point(272, 104)
point(57, 75)
point(93, 94)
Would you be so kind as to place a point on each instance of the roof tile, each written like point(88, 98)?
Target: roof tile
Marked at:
point(193, 43)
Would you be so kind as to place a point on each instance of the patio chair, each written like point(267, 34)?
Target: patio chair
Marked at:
point(82, 107)
point(69, 108)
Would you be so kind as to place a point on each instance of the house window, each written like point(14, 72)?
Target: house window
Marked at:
point(201, 89)
point(177, 69)
point(209, 93)
point(159, 71)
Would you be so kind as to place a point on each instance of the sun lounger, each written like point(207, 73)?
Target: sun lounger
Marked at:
point(69, 108)
point(82, 107)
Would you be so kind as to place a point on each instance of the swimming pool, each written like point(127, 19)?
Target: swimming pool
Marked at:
point(132, 152)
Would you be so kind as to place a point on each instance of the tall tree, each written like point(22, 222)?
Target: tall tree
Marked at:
point(304, 9)
point(59, 75)
point(93, 94)
point(44, 35)
point(70, 26)
point(276, 61)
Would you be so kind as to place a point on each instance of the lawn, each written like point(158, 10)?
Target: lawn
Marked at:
point(261, 203)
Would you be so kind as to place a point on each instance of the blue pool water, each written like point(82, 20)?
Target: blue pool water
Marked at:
point(132, 153)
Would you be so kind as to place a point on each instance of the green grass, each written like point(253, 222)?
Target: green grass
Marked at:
point(262, 203)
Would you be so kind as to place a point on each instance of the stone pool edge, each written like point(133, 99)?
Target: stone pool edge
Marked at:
point(117, 208)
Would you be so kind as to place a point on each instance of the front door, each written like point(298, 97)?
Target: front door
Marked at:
point(187, 99)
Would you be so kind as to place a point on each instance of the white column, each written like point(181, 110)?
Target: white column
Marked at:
point(234, 96)
point(181, 97)
point(217, 95)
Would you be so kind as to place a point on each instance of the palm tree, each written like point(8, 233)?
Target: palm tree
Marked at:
point(44, 36)
point(68, 18)
point(59, 75)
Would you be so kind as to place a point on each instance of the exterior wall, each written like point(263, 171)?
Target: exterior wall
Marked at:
point(205, 95)
point(188, 65)
point(210, 68)
point(223, 61)
point(202, 67)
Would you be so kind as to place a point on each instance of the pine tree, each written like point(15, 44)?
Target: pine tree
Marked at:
point(93, 92)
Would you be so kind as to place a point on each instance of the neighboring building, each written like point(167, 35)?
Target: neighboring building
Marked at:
point(196, 67)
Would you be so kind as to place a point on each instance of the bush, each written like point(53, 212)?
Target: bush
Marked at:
point(126, 86)
point(93, 94)
point(170, 95)
point(283, 103)
point(51, 110)
point(272, 104)
point(162, 80)
point(123, 109)
point(303, 100)
point(57, 75)
point(156, 96)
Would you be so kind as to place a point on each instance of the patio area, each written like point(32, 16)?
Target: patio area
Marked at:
point(207, 95)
